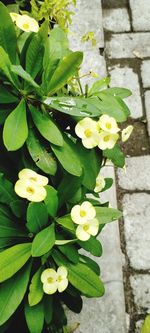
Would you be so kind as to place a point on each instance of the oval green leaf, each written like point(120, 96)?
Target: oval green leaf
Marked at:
point(43, 241)
point(34, 317)
point(15, 130)
point(51, 200)
point(37, 216)
point(36, 288)
point(46, 126)
point(12, 259)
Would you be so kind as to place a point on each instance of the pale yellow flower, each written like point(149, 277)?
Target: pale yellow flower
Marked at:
point(27, 23)
point(108, 124)
point(100, 184)
point(14, 16)
point(88, 229)
point(29, 190)
point(126, 133)
point(33, 176)
point(80, 214)
point(107, 140)
point(87, 129)
point(53, 281)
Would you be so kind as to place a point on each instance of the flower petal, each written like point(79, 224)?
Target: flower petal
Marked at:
point(81, 233)
point(93, 227)
point(100, 184)
point(62, 285)
point(50, 288)
point(38, 195)
point(62, 271)
point(48, 273)
point(27, 23)
point(126, 133)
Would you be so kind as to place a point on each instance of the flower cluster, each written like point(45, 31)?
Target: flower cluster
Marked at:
point(25, 22)
point(84, 215)
point(53, 281)
point(102, 133)
point(31, 185)
point(100, 183)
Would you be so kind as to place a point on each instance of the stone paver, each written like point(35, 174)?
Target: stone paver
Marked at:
point(136, 212)
point(141, 290)
point(88, 17)
point(116, 20)
point(147, 106)
point(140, 14)
point(125, 77)
point(129, 45)
point(138, 326)
point(95, 313)
point(137, 175)
point(145, 69)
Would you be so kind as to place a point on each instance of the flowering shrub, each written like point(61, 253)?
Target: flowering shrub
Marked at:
point(54, 138)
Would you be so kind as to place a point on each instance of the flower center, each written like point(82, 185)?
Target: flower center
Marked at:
point(82, 213)
point(26, 26)
point(106, 138)
point(59, 279)
point(50, 280)
point(34, 179)
point(108, 125)
point(30, 190)
point(88, 133)
point(86, 227)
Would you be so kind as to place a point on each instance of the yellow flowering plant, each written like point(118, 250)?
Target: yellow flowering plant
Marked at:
point(54, 141)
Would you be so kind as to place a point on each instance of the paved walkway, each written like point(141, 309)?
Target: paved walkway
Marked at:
point(123, 51)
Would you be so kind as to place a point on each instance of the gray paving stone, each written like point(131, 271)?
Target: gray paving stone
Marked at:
point(147, 105)
point(116, 20)
point(125, 77)
point(88, 17)
point(129, 45)
point(140, 14)
point(137, 175)
point(145, 71)
point(136, 212)
point(94, 62)
point(138, 326)
point(141, 290)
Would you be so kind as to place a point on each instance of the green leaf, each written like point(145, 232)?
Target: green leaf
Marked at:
point(98, 85)
point(18, 70)
point(48, 308)
point(106, 215)
point(43, 241)
point(90, 263)
point(120, 92)
point(37, 216)
point(67, 188)
point(81, 277)
point(146, 325)
point(36, 288)
point(115, 155)
point(70, 252)
point(35, 52)
point(75, 106)
point(34, 317)
point(8, 38)
point(93, 246)
point(46, 126)
point(66, 222)
point(91, 163)
point(12, 293)
point(8, 228)
point(108, 184)
point(12, 259)
point(6, 97)
point(43, 159)
point(51, 200)
point(56, 47)
point(74, 303)
point(67, 67)
point(68, 157)
point(15, 130)
point(7, 193)
point(5, 66)
point(113, 106)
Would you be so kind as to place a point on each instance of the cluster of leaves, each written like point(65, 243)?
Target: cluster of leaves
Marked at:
point(39, 109)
